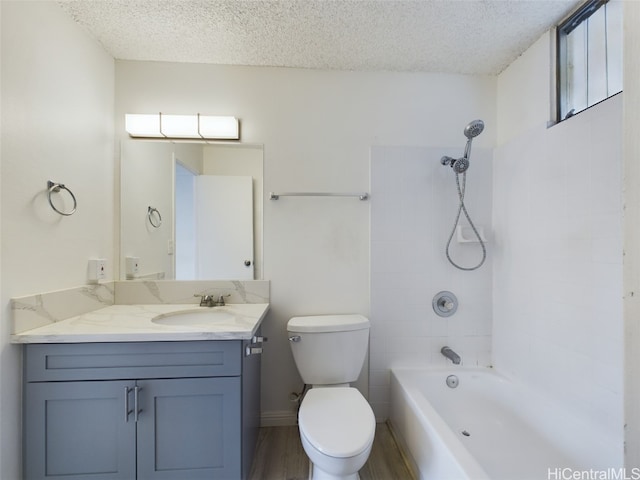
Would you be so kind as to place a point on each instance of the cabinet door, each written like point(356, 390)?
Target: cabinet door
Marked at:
point(189, 429)
point(78, 430)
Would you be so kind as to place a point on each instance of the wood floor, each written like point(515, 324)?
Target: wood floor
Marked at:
point(280, 456)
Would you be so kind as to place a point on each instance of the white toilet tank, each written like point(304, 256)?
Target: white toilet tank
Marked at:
point(329, 349)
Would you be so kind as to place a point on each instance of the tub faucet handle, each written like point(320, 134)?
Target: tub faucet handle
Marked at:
point(446, 303)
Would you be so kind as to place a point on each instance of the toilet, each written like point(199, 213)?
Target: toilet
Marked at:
point(336, 423)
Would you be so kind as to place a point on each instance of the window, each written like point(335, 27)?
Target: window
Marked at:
point(589, 56)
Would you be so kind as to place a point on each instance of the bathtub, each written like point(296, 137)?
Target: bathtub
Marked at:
point(489, 427)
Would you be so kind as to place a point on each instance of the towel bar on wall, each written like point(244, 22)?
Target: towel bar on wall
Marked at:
point(57, 188)
point(155, 219)
point(276, 196)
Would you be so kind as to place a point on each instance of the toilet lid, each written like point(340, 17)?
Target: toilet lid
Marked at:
point(337, 421)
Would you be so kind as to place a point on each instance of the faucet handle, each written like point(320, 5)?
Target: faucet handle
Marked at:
point(220, 302)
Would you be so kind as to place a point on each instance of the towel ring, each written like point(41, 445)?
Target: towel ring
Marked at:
point(154, 220)
point(56, 187)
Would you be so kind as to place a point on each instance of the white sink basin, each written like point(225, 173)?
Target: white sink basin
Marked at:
point(202, 316)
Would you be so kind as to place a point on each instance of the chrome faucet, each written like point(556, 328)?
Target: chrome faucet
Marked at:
point(205, 300)
point(208, 300)
point(451, 355)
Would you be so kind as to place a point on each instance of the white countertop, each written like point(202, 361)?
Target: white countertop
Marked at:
point(134, 323)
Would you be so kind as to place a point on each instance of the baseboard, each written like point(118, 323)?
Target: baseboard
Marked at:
point(279, 418)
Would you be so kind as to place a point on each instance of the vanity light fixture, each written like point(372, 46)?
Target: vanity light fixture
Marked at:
point(197, 126)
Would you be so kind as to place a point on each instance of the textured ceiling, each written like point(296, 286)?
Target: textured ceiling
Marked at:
point(448, 36)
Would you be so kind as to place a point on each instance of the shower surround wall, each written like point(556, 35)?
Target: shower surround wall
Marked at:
point(414, 202)
point(558, 263)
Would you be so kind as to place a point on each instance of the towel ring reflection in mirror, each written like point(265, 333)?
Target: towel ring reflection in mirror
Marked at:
point(155, 219)
point(57, 187)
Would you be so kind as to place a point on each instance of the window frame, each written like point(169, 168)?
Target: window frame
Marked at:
point(577, 18)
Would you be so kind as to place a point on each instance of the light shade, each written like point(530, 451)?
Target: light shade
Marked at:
point(179, 126)
point(219, 127)
point(143, 125)
point(182, 126)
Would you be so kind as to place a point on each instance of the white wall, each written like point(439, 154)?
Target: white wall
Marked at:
point(525, 91)
point(632, 231)
point(414, 203)
point(558, 251)
point(147, 173)
point(57, 124)
point(189, 155)
point(317, 128)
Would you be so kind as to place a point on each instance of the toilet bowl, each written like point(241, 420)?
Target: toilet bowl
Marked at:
point(336, 424)
point(337, 427)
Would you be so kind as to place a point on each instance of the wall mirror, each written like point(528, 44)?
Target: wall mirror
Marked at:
point(190, 211)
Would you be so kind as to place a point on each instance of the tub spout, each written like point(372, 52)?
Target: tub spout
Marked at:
point(451, 355)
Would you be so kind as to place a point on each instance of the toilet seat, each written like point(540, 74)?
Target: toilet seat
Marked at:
point(338, 421)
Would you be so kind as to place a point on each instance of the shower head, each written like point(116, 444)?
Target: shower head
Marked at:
point(471, 131)
point(474, 129)
point(460, 165)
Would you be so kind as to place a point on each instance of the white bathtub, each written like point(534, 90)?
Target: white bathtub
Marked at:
point(489, 427)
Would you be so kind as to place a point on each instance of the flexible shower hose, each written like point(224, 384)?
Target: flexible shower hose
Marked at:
point(463, 208)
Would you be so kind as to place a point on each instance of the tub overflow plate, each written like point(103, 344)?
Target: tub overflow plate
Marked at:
point(445, 303)
point(452, 381)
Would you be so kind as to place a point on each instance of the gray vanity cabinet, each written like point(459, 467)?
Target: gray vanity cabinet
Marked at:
point(156, 410)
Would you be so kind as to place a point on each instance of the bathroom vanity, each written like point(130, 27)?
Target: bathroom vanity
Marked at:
point(114, 395)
